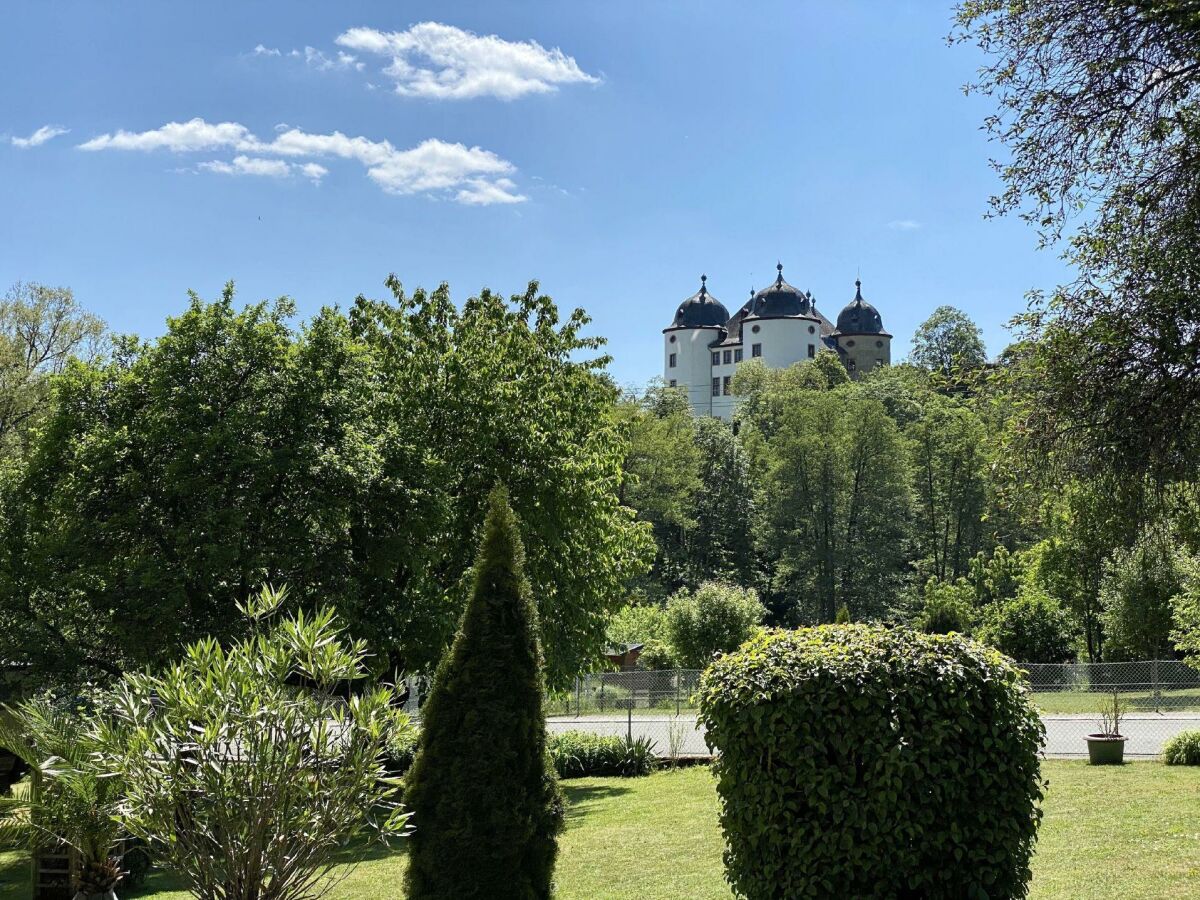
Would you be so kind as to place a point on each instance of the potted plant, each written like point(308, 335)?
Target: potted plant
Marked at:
point(1107, 747)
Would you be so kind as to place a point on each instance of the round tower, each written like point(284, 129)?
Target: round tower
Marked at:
point(860, 337)
point(699, 321)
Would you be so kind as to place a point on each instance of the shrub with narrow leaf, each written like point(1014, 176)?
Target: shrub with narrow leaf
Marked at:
point(244, 766)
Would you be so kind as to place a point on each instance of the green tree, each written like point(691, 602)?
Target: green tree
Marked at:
point(720, 542)
point(834, 501)
point(949, 485)
point(716, 618)
point(945, 607)
point(644, 624)
point(349, 458)
point(1031, 628)
point(509, 392)
point(948, 341)
point(1135, 595)
point(42, 329)
point(489, 807)
point(1096, 105)
point(243, 766)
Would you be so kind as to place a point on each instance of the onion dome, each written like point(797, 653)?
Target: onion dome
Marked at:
point(701, 310)
point(859, 316)
point(780, 299)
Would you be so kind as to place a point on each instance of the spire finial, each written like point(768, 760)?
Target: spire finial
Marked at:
point(858, 297)
point(703, 286)
point(779, 269)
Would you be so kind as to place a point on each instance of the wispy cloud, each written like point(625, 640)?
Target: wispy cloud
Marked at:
point(443, 62)
point(318, 60)
point(904, 225)
point(260, 50)
point(39, 137)
point(469, 175)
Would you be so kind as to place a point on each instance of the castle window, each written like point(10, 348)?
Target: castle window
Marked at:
point(725, 386)
point(673, 383)
point(737, 356)
point(812, 351)
point(716, 357)
point(671, 361)
point(716, 387)
point(851, 365)
point(755, 329)
point(849, 343)
point(728, 357)
point(756, 350)
point(879, 343)
point(812, 329)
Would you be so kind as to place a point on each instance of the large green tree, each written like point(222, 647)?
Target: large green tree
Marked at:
point(948, 341)
point(349, 458)
point(41, 329)
point(834, 502)
point(486, 804)
point(1098, 110)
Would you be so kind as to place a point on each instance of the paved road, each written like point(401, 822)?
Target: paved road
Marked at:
point(1147, 732)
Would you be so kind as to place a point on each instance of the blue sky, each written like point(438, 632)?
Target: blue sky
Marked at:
point(661, 141)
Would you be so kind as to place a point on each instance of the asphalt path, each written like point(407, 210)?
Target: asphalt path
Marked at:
point(1065, 734)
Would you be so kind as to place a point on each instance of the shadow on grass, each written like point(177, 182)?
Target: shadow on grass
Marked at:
point(14, 875)
point(582, 797)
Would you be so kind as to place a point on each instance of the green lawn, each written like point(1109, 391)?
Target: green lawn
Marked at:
point(1135, 701)
point(1131, 832)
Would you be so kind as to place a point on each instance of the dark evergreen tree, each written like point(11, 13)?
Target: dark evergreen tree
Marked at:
point(486, 807)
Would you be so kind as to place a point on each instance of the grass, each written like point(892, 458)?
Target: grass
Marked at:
point(1127, 831)
point(1135, 701)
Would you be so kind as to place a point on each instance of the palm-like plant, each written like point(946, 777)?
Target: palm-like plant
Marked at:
point(67, 799)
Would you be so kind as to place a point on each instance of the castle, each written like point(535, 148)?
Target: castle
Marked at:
point(780, 325)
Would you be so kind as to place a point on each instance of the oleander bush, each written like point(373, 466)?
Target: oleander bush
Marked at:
point(577, 754)
point(861, 761)
point(1183, 749)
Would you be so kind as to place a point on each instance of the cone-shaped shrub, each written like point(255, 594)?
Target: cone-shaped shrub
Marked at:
point(486, 807)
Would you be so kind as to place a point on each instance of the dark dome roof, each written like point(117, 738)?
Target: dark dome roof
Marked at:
point(859, 316)
point(701, 310)
point(780, 299)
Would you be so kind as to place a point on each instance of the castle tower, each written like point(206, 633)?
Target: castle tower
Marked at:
point(862, 343)
point(687, 362)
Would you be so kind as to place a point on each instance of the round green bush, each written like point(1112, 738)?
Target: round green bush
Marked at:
point(858, 761)
point(1183, 749)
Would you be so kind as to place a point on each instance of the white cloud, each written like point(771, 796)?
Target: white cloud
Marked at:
point(39, 137)
point(470, 175)
point(904, 225)
point(442, 62)
point(179, 137)
point(260, 50)
point(248, 165)
point(322, 63)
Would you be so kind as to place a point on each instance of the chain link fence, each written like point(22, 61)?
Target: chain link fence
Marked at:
point(1160, 698)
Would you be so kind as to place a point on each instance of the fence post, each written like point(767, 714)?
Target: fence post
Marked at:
point(629, 722)
point(677, 693)
point(578, 696)
point(1154, 685)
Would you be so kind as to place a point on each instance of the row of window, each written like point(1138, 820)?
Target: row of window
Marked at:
point(725, 357)
point(721, 385)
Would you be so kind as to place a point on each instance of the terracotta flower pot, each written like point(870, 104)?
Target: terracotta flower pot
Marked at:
point(1106, 749)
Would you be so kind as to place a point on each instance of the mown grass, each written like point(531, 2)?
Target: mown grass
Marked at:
point(1090, 702)
point(1131, 832)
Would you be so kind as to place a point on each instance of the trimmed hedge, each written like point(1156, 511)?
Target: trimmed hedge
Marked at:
point(577, 754)
point(1183, 749)
point(859, 761)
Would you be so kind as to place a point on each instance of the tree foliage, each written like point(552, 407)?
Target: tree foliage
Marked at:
point(349, 458)
point(948, 341)
point(488, 808)
point(716, 618)
point(1135, 594)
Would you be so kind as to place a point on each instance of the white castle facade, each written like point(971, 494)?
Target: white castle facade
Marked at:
point(704, 344)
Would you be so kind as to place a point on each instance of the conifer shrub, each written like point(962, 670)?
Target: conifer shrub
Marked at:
point(1183, 749)
point(486, 806)
point(859, 761)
